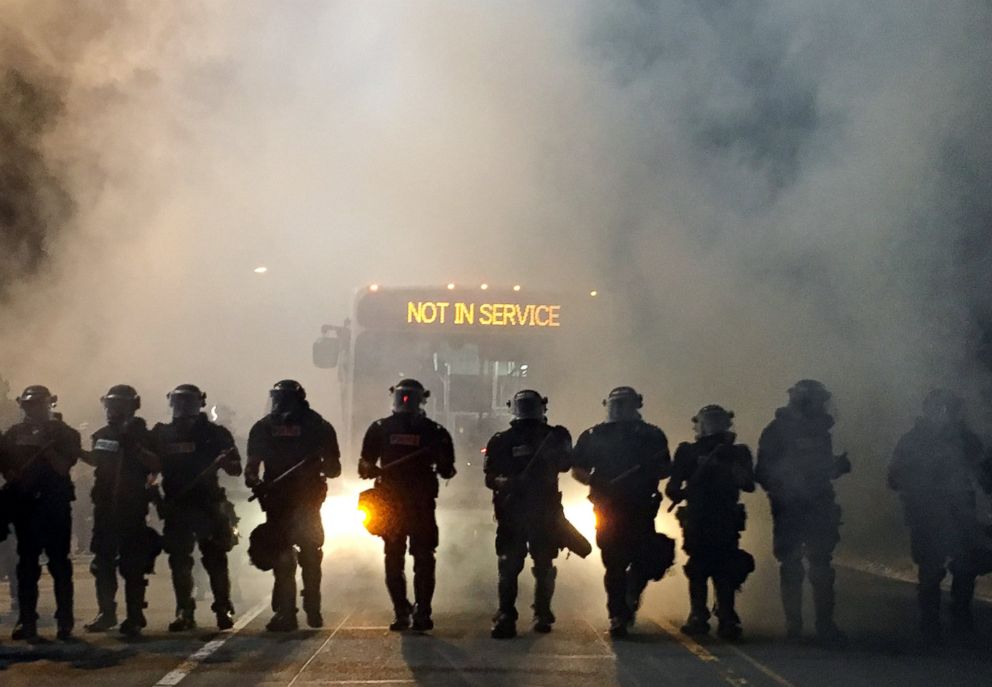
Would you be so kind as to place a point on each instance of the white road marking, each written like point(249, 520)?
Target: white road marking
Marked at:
point(765, 670)
point(176, 676)
point(319, 649)
point(700, 652)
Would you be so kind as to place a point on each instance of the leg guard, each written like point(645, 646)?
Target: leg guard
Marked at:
point(105, 577)
point(821, 577)
point(545, 575)
point(962, 593)
point(424, 566)
point(215, 563)
point(509, 566)
point(310, 559)
point(284, 584)
point(791, 575)
point(395, 562)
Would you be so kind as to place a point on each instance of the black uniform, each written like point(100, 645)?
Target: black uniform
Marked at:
point(709, 475)
point(934, 468)
point(196, 510)
point(527, 508)
point(120, 509)
point(411, 489)
point(796, 466)
point(35, 458)
point(292, 507)
point(626, 460)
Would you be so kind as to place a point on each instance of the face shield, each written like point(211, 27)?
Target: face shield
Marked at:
point(623, 408)
point(409, 399)
point(810, 398)
point(185, 404)
point(119, 409)
point(711, 421)
point(528, 405)
point(284, 403)
point(37, 408)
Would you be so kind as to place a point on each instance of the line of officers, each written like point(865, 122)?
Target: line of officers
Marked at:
point(292, 452)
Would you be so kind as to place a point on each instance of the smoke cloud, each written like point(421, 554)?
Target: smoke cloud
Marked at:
point(767, 191)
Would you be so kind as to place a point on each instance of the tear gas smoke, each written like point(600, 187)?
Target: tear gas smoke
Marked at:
point(771, 190)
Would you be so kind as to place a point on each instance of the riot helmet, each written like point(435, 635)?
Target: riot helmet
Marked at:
point(288, 398)
point(942, 407)
point(120, 402)
point(623, 405)
point(409, 396)
point(528, 405)
point(37, 402)
point(809, 397)
point(712, 420)
point(186, 401)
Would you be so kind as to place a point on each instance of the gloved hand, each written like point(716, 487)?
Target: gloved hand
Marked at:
point(368, 470)
point(842, 465)
point(252, 481)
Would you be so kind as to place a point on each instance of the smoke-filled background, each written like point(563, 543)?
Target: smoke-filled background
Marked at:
point(768, 191)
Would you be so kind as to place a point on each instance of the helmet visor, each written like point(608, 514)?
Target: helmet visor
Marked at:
point(185, 404)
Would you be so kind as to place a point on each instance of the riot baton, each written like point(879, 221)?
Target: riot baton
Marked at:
point(266, 486)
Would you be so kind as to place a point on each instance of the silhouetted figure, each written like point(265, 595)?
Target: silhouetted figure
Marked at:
point(934, 468)
point(406, 453)
point(195, 510)
point(292, 452)
point(623, 460)
point(521, 467)
point(122, 541)
point(36, 456)
point(709, 475)
point(796, 466)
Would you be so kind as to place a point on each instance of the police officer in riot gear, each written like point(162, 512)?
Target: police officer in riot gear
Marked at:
point(125, 466)
point(796, 466)
point(709, 475)
point(195, 509)
point(934, 468)
point(623, 460)
point(406, 453)
point(521, 467)
point(297, 447)
point(36, 456)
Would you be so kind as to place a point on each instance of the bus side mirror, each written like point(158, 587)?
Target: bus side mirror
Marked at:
point(326, 350)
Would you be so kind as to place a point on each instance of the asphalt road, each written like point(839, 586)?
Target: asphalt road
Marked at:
point(355, 648)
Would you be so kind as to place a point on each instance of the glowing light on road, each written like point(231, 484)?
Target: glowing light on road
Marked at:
point(342, 518)
point(451, 286)
point(516, 287)
point(594, 293)
point(484, 287)
point(261, 269)
point(373, 287)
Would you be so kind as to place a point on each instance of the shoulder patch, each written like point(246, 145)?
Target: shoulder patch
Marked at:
point(522, 450)
point(108, 445)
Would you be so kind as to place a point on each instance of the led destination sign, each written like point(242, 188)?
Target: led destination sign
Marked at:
point(467, 314)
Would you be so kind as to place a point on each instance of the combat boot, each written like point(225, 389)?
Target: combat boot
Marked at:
point(184, 621)
point(133, 624)
point(283, 621)
point(504, 626)
point(699, 614)
point(730, 623)
point(103, 622)
point(422, 621)
point(401, 618)
point(544, 589)
point(618, 627)
point(311, 608)
point(25, 630)
point(225, 615)
point(64, 631)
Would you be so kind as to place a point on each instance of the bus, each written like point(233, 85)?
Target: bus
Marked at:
point(472, 348)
